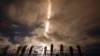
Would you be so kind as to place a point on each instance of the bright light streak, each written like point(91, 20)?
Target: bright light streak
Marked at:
point(47, 26)
point(49, 9)
point(48, 17)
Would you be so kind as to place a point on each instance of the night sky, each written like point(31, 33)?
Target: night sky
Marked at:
point(72, 22)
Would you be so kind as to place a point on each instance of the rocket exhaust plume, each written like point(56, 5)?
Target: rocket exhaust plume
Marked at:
point(48, 18)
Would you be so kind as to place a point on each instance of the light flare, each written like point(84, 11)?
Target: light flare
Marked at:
point(45, 45)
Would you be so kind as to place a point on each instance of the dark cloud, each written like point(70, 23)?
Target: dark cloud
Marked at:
point(12, 28)
point(95, 32)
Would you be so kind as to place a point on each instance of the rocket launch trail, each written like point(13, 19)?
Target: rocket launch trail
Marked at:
point(49, 10)
point(48, 18)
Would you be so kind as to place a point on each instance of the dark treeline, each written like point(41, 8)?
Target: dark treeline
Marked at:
point(21, 51)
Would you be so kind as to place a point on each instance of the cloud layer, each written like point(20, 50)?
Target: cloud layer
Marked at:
point(72, 22)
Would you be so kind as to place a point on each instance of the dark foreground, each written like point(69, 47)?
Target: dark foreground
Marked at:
point(21, 51)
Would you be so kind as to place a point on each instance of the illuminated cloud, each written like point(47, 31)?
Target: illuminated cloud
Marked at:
point(72, 22)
